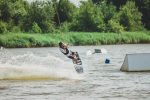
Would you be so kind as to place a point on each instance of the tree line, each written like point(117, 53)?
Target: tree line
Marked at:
point(62, 16)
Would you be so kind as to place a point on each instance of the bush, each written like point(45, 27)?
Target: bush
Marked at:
point(130, 17)
point(89, 18)
point(64, 27)
point(108, 10)
point(42, 13)
point(16, 29)
point(115, 26)
point(36, 28)
point(47, 27)
point(3, 27)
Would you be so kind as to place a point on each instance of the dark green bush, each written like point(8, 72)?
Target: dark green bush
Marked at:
point(115, 26)
point(36, 28)
point(64, 27)
point(3, 27)
point(89, 18)
point(16, 29)
point(130, 17)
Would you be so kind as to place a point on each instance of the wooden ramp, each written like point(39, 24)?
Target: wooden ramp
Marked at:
point(136, 62)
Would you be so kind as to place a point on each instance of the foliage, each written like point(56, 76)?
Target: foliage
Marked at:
point(12, 12)
point(5, 10)
point(42, 13)
point(90, 18)
point(130, 17)
point(108, 10)
point(118, 3)
point(16, 29)
point(144, 8)
point(62, 16)
point(66, 10)
point(3, 27)
point(115, 26)
point(18, 11)
point(73, 38)
point(64, 27)
point(36, 28)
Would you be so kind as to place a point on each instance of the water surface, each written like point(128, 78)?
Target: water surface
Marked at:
point(46, 74)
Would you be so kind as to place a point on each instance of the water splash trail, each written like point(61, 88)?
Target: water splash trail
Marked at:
point(30, 67)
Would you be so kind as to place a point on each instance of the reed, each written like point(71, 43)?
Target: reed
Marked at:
point(20, 40)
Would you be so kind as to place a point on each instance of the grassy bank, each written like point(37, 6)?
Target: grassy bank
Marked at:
point(13, 40)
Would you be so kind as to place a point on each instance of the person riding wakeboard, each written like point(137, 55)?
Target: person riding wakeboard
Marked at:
point(70, 54)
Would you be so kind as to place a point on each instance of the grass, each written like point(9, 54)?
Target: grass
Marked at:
point(19, 40)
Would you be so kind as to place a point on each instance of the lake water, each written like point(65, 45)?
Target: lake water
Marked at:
point(46, 74)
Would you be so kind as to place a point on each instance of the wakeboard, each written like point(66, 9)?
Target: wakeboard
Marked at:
point(77, 64)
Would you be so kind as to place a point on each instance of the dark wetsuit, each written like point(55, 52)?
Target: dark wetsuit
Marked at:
point(67, 52)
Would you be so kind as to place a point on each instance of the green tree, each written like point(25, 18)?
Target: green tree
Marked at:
point(12, 12)
point(41, 13)
point(5, 10)
point(130, 17)
point(66, 10)
point(3, 27)
point(114, 26)
point(89, 18)
point(118, 3)
point(96, 1)
point(108, 10)
point(36, 28)
point(144, 7)
point(18, 10)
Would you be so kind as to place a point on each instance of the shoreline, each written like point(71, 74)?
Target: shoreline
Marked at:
point(30, 40)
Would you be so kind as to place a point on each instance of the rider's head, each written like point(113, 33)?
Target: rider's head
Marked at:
point(61, 45)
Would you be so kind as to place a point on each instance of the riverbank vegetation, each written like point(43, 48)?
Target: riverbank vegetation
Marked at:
point(93, 22)
point(12, 40)
point(48, 16)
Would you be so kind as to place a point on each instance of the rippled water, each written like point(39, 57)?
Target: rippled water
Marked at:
point(46, 74)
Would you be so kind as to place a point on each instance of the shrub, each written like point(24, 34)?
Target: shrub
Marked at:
point(3, 27)
point(42, 13)
point(115, 26)
point(47, 27)
point(64, 27)
point(16, 29)
point(36, 28)
point(89, 18)
point(108, 10)
point(130, 17)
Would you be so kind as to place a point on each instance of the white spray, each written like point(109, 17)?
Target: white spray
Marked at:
point(30, 66)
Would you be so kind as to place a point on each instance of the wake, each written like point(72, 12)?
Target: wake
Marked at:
point(31, 67)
